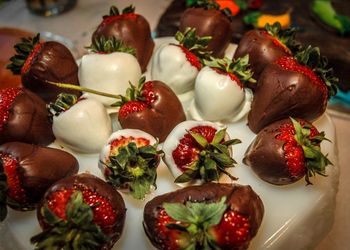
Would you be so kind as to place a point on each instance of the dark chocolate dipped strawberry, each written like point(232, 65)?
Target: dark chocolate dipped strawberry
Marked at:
point(266, 46)
point(24, 117)
point(80, 212)
point(208, 20)
point(198, 151)
point(210, 216)
point(38, 62)
point(27, 171)
point(132, 28)
point(286, 151)
point(152, 107)
point(298, 86)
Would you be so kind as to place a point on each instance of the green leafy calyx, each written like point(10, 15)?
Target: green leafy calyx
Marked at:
point(108, 45)
point(133, 93)
point(63, 103)
point(285, 36)
point(114, 11)
point(210, 5)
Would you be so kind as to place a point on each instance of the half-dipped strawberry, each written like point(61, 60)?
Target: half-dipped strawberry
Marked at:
point(297, 86)
point(208, 20)
point(24, 118)
point(178, 64)
point(80, 212)
point(27, 171)
point(131, 28)
point(38, 62)
point(219, 92)
point(152, 107)
point(82, 124)
point(286, 151)
point(129, 161)
point(109, 67)
point(210, 216)
point(198, 151)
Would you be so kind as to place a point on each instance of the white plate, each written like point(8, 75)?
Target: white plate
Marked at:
point(296, 216)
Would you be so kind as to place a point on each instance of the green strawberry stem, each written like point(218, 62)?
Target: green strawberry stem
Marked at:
point(213, 159)
point(78, 231)
point(196, 218)
point(3, 192)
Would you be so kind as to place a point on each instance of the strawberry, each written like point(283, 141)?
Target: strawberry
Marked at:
point(131, 28)
point(109, 67)
point(198, 151)
point(152, 107)
point(80, 212)
point(81, 124)
point(221, 83)
point(27, 171)
point(178, 64)
point(266, 46)
point(298, 87)
point(210, 216)
point(38, 62)
point(23, 117)
point(129, 161)
point(287, 150)
point(208, 20)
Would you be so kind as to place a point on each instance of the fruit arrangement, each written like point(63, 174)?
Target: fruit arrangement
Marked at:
point(149, 144)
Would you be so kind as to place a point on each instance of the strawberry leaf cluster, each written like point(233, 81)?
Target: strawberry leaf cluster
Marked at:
point(212, 5)
point(285, 36)
point(133, 93)
point(109, 45)
point(63, 102)
point(114, 11)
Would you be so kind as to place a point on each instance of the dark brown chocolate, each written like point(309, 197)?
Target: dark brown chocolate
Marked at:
point(28, 121)
point(38, 168)
point(95, 184)
point(282, 94)
point(162, 116)
point(135, 32)
point(54, 62)
point(241, 199)
point(209, 22)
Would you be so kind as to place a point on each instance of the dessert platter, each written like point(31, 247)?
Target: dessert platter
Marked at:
point(202, 139)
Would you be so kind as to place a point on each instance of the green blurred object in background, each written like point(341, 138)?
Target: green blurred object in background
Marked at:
point(50, 7)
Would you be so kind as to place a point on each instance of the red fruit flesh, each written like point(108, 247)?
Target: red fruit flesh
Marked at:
point(14, 188)
point(131, 107)
point(123, 141)
point(167, 236)
point(110, 19)
point(188, 149)
point(148, 93)
point(31, 57)
point(7, 97)
point(232, 76)
point(289, 63)
point(276, 42)
point(192, 58)
point(104, 215)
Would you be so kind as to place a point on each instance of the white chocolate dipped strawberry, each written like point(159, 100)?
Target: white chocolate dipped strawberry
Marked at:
point(198, 151)
point(129, 161)
point(109, 68)
point(178, 64)
point(219, 92)
point(81, 124)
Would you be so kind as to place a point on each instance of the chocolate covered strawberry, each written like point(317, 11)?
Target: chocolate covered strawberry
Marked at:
point(27, 171)
point(286, 151)
point(210, 216)
point(198, 151)
point(297, 86)
point(131, 28)
point(38, 62)
point(80, 212)
point(109, 67)
point(24, 118)
point(129, 161)
point(219, 92)
point(152, 107)
point(208, 20)
point(178, 64)
point(82, 124)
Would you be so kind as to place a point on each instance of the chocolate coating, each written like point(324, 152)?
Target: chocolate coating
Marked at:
point(39, 167)
point(54, 63)
point(134, 32)
point(95, 184)
point(162, 116)
point(241, 199)
point(265, 156)
point(28, 121)
point(281, 94)
point(261, 50)
point(209, 22)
